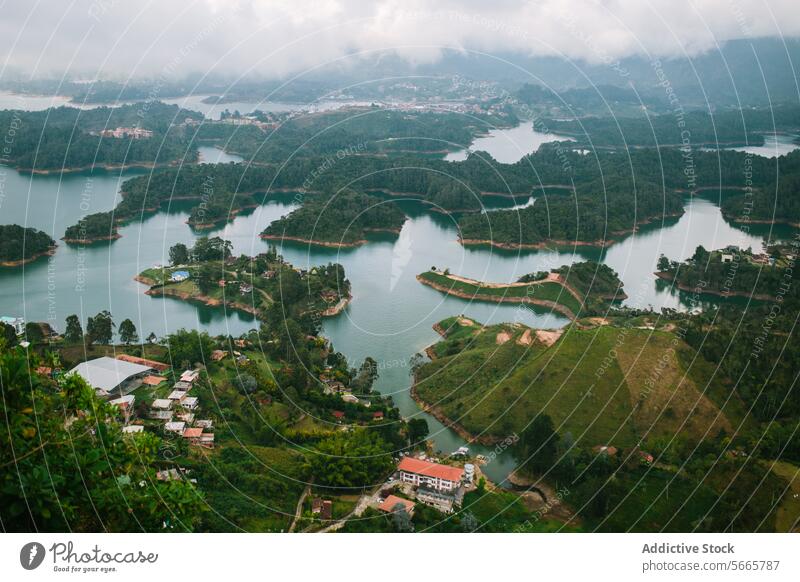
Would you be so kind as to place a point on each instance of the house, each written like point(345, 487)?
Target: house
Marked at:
point(605, 450)
point(44, 371)
point(111, 376)
point(193, 435)
point(16, 322)
point(347, 397)
point(176, 427)
point(184, 386)
point(190, 376)
point(316, 505)
point(177, 395)
point(179, 276)
point(190, 402)
point(727, 258)
point(132, 428)
point(160, 366)
point(338, 414)
point(391, 503)
point(123, 403)
point(207, 440)
point(161, 409)
point(130, 132)
point(431, 475)
point(217, 355)
point(245, 288)
point(327, 509)
point(444, 501)
point(185, 416)
point(205, 424)
point(168, 475)
point(153, 380)
point(377, 415)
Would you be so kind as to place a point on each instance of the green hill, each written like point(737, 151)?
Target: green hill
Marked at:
point(606, 385)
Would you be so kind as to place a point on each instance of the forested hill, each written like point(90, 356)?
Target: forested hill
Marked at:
point(596, 214)
point(66, 137)
point(19, 244)
point(343, 219)
point(679, 128)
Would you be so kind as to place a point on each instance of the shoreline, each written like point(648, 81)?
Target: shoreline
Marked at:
point(92, 240)
point(35, 257)
point(439, 415)
point(545, 244)
point(314, 242)
point(562, 309)
point(689, 289)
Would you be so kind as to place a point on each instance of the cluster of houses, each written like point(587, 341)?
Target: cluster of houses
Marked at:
point(178, 413)
point(127, 132)
point(115, 379)
point(440, 486)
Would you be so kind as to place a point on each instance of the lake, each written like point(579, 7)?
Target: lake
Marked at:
point(775, 145)
point(391, 315)
point(507, 145)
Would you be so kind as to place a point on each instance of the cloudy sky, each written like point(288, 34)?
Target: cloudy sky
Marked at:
point(122, 39)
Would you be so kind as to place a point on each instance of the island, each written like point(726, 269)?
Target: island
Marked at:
point(207, 273)
point(342, 220)
point(20, 245)
point(581, 288)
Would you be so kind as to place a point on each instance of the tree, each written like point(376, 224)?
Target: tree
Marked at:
point(100, 328)
point(366, 376)
point(178, 254)
point(352, 459)
point(33, 332)
point(538, 445)
point(74, 331)
point(417, 431)
point(127, 332)
point(401, 519)
point(207, 277)
point(85, 475)
point(663, 263)
point(188, 346)
point(9, 334)
point(246, 383)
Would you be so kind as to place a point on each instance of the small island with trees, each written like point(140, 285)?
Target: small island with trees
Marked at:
point(208, 273)
point(342, 220)
point(20, 245)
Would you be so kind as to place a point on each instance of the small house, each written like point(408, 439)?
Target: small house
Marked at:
point(175, 426)
point(190, 376)
point(132, 429)
point(177, 395)
point(161, 409)
point(394, 503)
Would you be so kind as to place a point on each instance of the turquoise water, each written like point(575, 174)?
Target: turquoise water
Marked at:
point(391, 315)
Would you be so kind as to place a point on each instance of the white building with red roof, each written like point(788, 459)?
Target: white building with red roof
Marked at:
point(432, 475)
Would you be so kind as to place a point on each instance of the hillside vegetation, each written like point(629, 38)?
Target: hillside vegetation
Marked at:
point(607, 385)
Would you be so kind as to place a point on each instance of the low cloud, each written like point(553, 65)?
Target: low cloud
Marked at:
point(279, 38)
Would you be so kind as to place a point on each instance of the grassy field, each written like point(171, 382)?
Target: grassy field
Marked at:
point(787, 518)
point(607, 385)
point(546, 291)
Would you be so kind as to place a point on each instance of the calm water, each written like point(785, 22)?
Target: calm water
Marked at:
point(775, 145)
point(213, 110)
point(391, 315)
point(508, 145)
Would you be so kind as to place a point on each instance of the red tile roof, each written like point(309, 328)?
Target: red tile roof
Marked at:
point(411, 465)
point(391, 502)
point(143, 362)
point(338, 414)
point(192, 433)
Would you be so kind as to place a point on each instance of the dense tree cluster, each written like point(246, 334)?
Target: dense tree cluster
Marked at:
point(19, 244)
